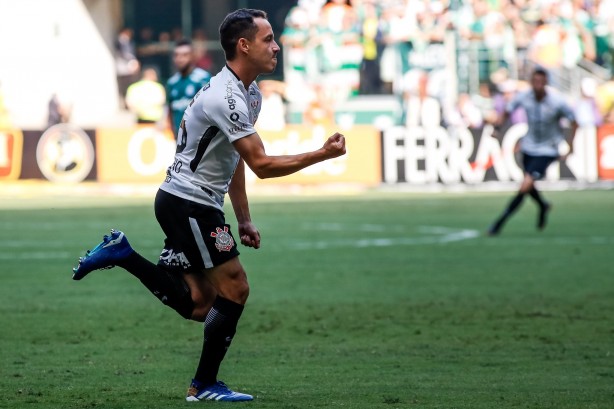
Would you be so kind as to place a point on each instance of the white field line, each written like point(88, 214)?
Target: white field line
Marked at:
point(429, 235)
point(37, 255)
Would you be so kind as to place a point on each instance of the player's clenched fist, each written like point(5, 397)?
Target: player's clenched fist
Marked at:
point(335, 145)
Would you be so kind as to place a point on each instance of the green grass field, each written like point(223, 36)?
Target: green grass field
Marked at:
point(375, 300)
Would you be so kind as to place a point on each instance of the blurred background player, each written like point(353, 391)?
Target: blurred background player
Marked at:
point(544, 110)
point(184, 84)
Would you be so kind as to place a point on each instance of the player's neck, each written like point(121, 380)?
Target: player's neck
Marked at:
point(187, 71)
point(243, 74)
point(539, 96)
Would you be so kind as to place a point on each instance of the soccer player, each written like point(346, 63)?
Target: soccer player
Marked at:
point(184, 84)
point(540, 145)
point(199, 273)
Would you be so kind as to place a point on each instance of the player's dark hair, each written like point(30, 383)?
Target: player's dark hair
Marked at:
point(541, 71)
point(238, 24)
point(182, 42)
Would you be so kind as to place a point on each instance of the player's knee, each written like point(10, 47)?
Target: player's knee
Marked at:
point(236, 289)
point(242, 292)
point(202, 300)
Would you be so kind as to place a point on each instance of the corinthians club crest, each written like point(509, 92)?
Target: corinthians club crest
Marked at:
point(223, 239)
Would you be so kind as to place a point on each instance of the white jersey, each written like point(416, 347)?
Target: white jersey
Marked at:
point(544, 132)
point(222, 112)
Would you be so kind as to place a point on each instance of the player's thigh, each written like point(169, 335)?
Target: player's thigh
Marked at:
point(536, 166)
point(229, 280)
point(202, 291)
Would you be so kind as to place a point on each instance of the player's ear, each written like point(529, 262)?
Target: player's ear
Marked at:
point(243, 45)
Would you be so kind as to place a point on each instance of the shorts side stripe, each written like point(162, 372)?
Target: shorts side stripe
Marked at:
point(198, 237)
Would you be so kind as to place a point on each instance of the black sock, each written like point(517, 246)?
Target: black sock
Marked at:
point(537, 197)
point(509, 210)
point(169, 287)
point(220, 327)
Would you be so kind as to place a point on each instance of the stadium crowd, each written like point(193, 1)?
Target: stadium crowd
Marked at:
point(336, 49)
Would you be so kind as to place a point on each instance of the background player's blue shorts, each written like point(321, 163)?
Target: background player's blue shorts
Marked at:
point(536, 165)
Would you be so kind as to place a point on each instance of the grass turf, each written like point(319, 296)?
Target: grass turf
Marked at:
point(368, 301)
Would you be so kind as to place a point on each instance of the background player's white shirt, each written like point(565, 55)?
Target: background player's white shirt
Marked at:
point(544, 120)
point(222, 112)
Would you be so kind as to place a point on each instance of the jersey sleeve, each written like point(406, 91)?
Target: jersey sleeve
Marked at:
point(231, 115)
point(515, 102)
point(565, 111)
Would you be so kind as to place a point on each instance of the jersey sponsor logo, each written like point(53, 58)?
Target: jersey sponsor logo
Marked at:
point(237, 128)
point(171, 258)
point(232, 103)
point(223, 239)
point(234, 116)
point(65, 154)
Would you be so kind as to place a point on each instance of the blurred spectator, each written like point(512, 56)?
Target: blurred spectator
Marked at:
point(272, 115)
point(602, 25)
point(176, 34)
point(147, 50)
point(146, 98)
point(464, 113)
point(298, 39)
point(58, 111)
point(420, 109)
point(372, 47)
point(545, 47)
point(487, 32)
point(485, 102)
point(126, 63)
point(320, 110)
point(399, 26)
point(202, 57)
point(184, 84)
point(339, 49)
point(398, 36)
point(605, 100)
point(164, 38)
point(585, 109)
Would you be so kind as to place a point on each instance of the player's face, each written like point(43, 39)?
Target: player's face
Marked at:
point(538, 82)
point(182, 58)
point(265, 49)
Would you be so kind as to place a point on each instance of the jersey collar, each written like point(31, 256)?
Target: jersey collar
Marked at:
point(236, 76)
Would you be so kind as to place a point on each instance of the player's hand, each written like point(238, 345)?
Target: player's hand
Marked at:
point(249, 234)
point(335, 145)
point(563, 158)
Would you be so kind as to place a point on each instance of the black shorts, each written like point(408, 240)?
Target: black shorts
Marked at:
point(197, 236)
point(536, 165)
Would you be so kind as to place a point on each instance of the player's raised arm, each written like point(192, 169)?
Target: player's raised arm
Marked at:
point(264, 166)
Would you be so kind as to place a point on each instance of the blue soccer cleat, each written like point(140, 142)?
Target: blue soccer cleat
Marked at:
point(113, 248)
point(216, 392)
